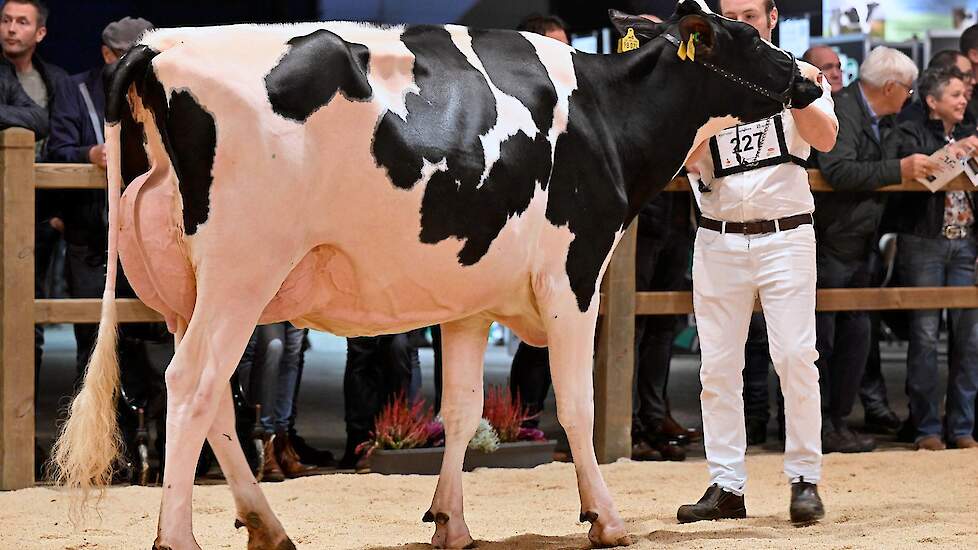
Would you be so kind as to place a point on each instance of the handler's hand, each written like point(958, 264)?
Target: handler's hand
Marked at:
point(917, 166)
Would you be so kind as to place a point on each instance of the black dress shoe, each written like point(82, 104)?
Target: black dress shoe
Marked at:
point(886, 422)
point(756, 432)
point(715, 504)
point(844, 440)
point(806, 505)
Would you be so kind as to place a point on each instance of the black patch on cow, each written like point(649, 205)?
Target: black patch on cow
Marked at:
point(446, 119)
point(134, 160)
point(514, 67)
point(189, 135)
point(586, 192)
point(316, 67)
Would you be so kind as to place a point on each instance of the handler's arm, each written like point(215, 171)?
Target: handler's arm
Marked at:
point(817, 123)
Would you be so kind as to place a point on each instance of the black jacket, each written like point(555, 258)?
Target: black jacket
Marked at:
point(72, 135)
point(921, 213)
point(855, 168)
point(17, 109)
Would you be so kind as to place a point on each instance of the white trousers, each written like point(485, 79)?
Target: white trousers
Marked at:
point(728, 271)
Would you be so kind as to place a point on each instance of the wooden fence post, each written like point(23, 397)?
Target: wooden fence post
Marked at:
point(616, 355)
point(17, 306)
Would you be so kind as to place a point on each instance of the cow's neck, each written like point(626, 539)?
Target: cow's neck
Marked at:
point(651, 108)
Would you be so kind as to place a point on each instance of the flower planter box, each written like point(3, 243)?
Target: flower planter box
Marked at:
point(427, 461)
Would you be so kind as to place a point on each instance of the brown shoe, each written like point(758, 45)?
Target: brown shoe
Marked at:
point(679, 432)
point(270, 470)
point(965, 442)
point(288, 459)
point(931, 443)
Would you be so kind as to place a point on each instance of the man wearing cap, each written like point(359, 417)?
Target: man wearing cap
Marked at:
point(76, 136)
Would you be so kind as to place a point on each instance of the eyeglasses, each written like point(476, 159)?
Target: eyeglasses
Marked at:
point(908, 87)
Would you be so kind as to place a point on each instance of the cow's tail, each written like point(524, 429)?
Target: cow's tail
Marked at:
point(86, 453)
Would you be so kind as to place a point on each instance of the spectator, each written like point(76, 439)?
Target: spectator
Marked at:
point(945, 59)
point(661, 260)
point(548, 25)
point(270, 369)
point(378, 369)
point(26, 84)
point(847, 224)
point(529, 377)
point(968, 45)
point(825, 58)
point(937, 248)
point(757, 369)
point(76, 136)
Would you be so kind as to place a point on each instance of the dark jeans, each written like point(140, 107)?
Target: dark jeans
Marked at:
point(378, 368)
point(757, 367)
point(85, 271)
point(529, 378)
point(941, 262)
point(660, 264)
point(842, 338)
point(45, 242)
point(270, 369)
point(872, 388)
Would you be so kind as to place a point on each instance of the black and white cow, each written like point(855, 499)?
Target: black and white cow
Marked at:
point(364, 180)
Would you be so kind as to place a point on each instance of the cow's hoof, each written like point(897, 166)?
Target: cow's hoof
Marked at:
point(605, 536)
point(259, 537)
point(449, 532)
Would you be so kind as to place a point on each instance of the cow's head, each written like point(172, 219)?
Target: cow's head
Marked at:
point(749, 78)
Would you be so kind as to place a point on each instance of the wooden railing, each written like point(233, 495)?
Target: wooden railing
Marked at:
point(20, 177)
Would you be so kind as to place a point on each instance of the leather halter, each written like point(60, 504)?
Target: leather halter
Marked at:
point(784, 98)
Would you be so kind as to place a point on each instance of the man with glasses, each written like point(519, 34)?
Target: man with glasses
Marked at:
point(846, 224)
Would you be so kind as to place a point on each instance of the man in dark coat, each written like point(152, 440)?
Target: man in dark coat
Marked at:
point(847, 224)
point(76, 136)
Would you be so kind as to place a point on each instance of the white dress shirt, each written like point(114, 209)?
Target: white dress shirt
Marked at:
point(766, 193)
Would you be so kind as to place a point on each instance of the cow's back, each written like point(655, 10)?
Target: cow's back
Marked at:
point(406, 166)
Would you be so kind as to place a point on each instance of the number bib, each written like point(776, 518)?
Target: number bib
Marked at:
point(749, 146)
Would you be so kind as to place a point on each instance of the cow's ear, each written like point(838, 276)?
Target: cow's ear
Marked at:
point(698, 29)
point(644, 28)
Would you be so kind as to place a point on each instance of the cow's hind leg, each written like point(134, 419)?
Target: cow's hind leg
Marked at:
point(463, 349)
point(265, 532)
point(570, 336)
point(195, 380)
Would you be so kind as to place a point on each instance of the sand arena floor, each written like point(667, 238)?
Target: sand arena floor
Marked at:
point(893, 499)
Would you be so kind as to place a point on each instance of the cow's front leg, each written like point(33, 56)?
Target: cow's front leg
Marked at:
point(463, 349)
point(570, 337)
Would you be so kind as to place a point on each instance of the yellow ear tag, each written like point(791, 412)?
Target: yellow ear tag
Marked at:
point(628, 42)
point(691, 49)
point(682, 51)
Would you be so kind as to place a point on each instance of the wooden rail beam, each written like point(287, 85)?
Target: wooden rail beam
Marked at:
point(832, 299)
point(89, 310)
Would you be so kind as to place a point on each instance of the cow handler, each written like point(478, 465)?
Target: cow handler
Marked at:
point(756, 238)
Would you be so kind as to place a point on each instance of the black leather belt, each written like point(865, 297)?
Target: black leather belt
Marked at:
point(757, 228)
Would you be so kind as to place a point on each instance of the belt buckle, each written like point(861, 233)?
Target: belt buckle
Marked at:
point(754, 228)
point(955, 232)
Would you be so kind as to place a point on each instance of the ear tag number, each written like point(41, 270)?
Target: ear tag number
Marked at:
point(628, 42)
